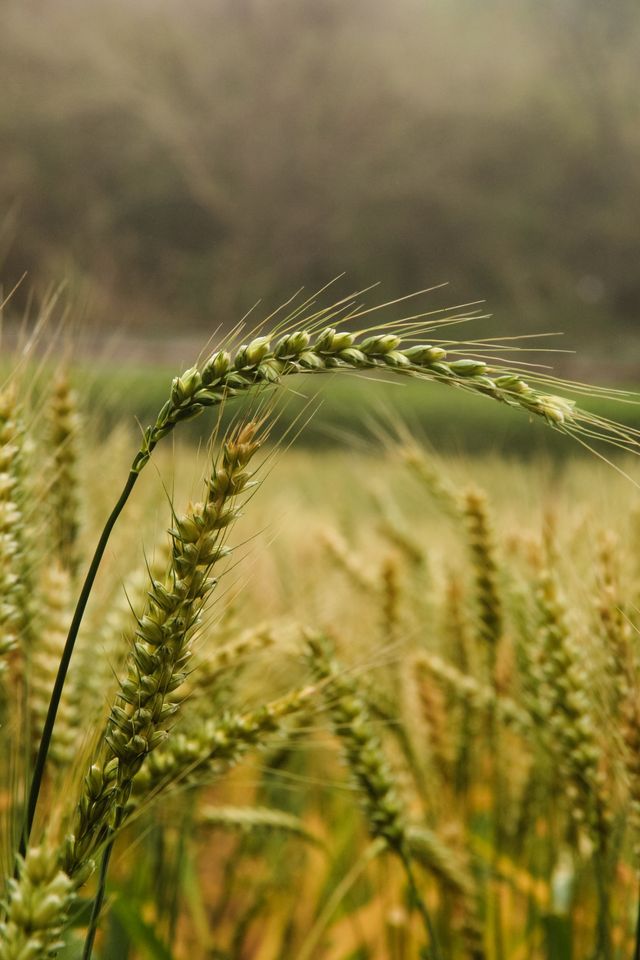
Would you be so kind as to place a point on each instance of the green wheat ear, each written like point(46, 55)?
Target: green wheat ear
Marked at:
point(263, 362)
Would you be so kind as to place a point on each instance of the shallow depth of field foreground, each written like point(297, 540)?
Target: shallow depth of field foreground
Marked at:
point(333, 703)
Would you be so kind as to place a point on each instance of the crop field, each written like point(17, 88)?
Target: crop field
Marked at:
point(319, 597)
point(331, 701)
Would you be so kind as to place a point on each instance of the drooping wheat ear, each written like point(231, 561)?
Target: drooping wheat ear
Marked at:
point(480, 696)
point(37, 909)
point(16, 593)
point(56, 610)
point(565, 710)
point(156, 666)
point(262, 363)
point(485, 570)
point(449, 866)
point(256, 820)
point(215, 746)
point(64, 495)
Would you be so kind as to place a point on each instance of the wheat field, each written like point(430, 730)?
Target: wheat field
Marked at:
point(363, 702)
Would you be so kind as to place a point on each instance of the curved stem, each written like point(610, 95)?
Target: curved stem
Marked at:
point(63, 667)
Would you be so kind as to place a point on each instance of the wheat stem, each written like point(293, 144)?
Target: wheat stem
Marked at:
point(65, 660)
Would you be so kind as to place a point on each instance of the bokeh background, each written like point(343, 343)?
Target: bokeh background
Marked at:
point(172, 163)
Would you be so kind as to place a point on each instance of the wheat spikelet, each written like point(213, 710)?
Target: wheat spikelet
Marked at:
point(102, 655)
point(384, 809)
point(38, 904)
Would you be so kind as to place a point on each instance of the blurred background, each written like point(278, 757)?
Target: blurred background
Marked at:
point(173, 163)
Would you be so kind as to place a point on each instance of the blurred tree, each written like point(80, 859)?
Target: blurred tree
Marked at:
point(185, 160)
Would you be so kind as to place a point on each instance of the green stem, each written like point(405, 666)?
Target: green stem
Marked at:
point(98, 902)
point(63, 667)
